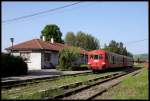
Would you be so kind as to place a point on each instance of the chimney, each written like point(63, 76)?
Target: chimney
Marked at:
point(43, 38)
point(52, 40)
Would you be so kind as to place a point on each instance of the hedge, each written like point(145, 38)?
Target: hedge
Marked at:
point(12, 65)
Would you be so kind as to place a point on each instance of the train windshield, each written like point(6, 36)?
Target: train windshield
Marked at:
point(97, 56)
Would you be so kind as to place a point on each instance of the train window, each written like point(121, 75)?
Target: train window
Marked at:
point(113, 60)
point(97, 56)
point(109, 58)
point(91, 57)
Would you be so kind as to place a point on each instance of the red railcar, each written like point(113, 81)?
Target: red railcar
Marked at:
point(101, 60)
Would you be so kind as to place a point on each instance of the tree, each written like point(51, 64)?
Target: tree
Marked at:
point(80, 39)
point(70, 39)
point(52, 31)
point(121, 48)
point(117, 47)
point(92, 43)
point(67, 56)
point(113, 47)
point(87, 41)
point(124, 51)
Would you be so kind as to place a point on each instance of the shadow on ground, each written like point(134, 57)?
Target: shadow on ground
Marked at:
point(44, 72)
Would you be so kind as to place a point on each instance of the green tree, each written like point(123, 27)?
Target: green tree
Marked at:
point(113, 47)
point(67, 56)
point(129, 54)
point(70, 39)
point(80, 39)
point(117, 47)
point(121, 48)
point(124, 51)
point(92, 43)
point(87, 41)
point(52, 31)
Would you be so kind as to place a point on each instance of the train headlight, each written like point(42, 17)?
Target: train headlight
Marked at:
point(88, 63)
point(103, 63)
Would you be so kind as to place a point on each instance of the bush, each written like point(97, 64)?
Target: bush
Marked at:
point(67, 57)
point(12, 65)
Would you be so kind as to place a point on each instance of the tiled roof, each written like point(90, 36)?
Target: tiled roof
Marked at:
point(38, 44)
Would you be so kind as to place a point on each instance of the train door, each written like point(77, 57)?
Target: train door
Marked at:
point(124, 61)
point(107, 60)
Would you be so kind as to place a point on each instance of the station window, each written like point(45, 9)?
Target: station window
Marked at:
point(47, 56)
point(26, 56)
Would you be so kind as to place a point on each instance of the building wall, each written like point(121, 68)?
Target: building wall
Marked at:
point(35, 60)
point(42, 60)
point(35, 63)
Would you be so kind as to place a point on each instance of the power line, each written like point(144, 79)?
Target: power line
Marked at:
point(132, 42)
point(135, 41)
point(38, 13)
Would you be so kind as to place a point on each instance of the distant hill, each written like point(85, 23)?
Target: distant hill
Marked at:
point(141, 56)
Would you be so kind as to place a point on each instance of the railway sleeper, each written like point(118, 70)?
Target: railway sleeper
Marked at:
point(102, 90)
point(80, 88)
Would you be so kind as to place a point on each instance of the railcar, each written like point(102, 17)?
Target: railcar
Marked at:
point(101, 60)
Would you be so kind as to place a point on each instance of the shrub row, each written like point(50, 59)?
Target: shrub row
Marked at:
point(12, 65)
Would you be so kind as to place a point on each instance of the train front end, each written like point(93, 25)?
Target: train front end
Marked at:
point(96, 60)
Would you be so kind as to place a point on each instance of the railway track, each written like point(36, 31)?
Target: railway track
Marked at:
point(91, 90)
point(76, 87)
point(8, 85)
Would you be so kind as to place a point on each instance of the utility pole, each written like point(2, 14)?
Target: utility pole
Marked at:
point(12, 40)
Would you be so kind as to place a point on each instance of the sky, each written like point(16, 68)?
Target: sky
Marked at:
point(125, 22)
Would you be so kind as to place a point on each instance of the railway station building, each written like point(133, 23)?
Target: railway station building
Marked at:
point(40, 54)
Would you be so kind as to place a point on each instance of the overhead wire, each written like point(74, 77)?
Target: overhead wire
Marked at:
point(128, 43)
point(135, 41)
point(38, 13)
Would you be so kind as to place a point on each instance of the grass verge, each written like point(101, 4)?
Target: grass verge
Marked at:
point(44, 89)
point(132, 87)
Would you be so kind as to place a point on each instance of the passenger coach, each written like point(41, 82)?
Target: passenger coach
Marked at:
point(101, 60)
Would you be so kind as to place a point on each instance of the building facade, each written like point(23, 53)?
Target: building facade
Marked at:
point(40, 54)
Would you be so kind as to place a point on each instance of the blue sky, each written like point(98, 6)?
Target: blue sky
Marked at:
point(120, 21)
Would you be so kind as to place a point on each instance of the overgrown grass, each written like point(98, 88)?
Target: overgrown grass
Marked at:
point(43, 89)
point(132, 87)
point(139, 65)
